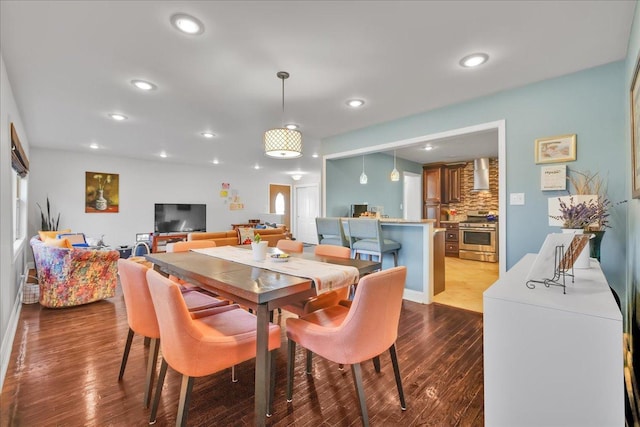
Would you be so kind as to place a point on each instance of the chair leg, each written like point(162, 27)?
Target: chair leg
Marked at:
point(357, 379)
point(396, 371)
point(309, 361)
point(272, 383)
point(233, 374)
point(125, 355)
point(395, 258)
point(156, 399)
point(291, 361)
point(376, 363)
point(147, 340)
point(151, 370)
point(340, 367)
point(185, 398)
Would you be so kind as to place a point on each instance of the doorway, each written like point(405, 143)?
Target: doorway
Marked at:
point(280, 202)
point(306, 201)
point(411, 196)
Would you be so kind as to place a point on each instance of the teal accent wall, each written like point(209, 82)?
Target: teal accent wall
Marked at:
point(589, 103)
point(633, 240)
point(344, 174)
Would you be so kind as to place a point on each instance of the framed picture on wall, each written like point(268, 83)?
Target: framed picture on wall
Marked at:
point(635, 134)
point(102, 193)
point(556, 149)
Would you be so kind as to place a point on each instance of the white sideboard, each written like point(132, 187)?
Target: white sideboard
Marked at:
point(552, 359)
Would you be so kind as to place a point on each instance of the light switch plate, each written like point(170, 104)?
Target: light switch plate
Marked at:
point(516, 199)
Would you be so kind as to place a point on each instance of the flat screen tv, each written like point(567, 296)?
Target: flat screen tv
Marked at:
point(180, 217)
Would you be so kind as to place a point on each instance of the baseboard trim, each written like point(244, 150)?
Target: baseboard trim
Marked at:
point(414, 296)
point(12, 327)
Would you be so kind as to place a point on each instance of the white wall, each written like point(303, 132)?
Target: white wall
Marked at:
point(12, 261)
point(60, 175)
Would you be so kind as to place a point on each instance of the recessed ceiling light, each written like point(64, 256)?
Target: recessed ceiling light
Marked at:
point(355, 103)
point(208, 134)
point(428, 148)
point(94, 146)
point(291, 126)
point(117, 116)
point(143, 85)
point(163, 154)
point(256, 167)
point(296, 177)
point(314, 155)
point(215, 161)
point(187, 24)
point(474, 60)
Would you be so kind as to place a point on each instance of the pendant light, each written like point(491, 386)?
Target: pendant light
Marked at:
point(283, 143)
point(363, 176)
point(395, 175)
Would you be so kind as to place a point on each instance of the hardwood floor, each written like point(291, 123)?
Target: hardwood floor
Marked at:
point(465, 281)
point(64, 369)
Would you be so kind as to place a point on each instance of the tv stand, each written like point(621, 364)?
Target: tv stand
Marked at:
point(159, 242)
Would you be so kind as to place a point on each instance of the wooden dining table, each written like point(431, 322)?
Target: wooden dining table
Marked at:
point(260, 289)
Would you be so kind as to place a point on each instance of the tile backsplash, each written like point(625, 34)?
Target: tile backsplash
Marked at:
point(473, 201)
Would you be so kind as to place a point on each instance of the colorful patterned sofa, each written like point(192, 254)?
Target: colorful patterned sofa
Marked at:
point(77, 276)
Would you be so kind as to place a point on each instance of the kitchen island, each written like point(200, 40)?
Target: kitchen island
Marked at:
point(417, 253)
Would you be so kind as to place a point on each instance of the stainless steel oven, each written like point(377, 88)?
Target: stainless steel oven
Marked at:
point(478, 238)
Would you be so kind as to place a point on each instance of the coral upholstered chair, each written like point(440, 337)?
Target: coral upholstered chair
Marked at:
point(326, 299)
point(141, 315)
point(290, 246)
point(200, 346)
point(185, 247)
point(352, 335)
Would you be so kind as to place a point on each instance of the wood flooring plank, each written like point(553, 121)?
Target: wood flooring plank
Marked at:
point(64, 368)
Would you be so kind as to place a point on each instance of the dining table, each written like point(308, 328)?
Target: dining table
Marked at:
point(256, 287)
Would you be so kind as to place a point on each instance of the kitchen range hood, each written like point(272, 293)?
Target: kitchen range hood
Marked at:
point(481, 174)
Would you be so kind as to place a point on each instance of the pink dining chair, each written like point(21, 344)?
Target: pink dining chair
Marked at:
point(141, 315)
point(200, 346)
point(326, 299)
point(352, 335)
point(186, 246)
point(290, 246)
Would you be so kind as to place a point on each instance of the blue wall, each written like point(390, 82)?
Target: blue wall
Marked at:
point(633, 245)
point(379, 190)
point(590, 104)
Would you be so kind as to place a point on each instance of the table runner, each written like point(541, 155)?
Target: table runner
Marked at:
point(326, 276)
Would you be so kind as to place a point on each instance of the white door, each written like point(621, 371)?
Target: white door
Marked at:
point(307, 209)
point(412, 196)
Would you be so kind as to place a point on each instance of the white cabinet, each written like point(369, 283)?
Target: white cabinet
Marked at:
point(552, 359)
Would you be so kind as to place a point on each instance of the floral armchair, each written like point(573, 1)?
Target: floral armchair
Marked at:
point(77, 276)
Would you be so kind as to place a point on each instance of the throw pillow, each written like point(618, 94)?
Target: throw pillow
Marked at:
point(245, 235)
point(76, 239)
point(58, 243)
point(53, 234)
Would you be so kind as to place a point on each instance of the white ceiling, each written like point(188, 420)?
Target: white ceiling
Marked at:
point(70, 63)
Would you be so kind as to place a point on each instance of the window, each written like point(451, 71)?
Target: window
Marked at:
point(19, 193)
point(280, 204)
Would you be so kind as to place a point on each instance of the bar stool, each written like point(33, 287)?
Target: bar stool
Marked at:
point(365, 237)
point(330, 232)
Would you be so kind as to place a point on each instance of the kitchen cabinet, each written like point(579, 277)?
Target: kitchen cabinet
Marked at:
point(452, 188)
point(452, 233)
point(432, 190)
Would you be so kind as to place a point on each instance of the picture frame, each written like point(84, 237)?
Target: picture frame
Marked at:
point(635, 133)
point(556, 149)
point(102, 192)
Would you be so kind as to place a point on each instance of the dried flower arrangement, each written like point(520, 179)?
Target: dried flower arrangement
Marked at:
point(590, 215)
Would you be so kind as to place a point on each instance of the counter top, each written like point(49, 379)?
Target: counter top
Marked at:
point(439, 230)
point(450, 221)
point(396, 220)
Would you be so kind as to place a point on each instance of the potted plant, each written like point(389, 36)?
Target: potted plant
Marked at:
point(259, 248)
point(47, 221)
